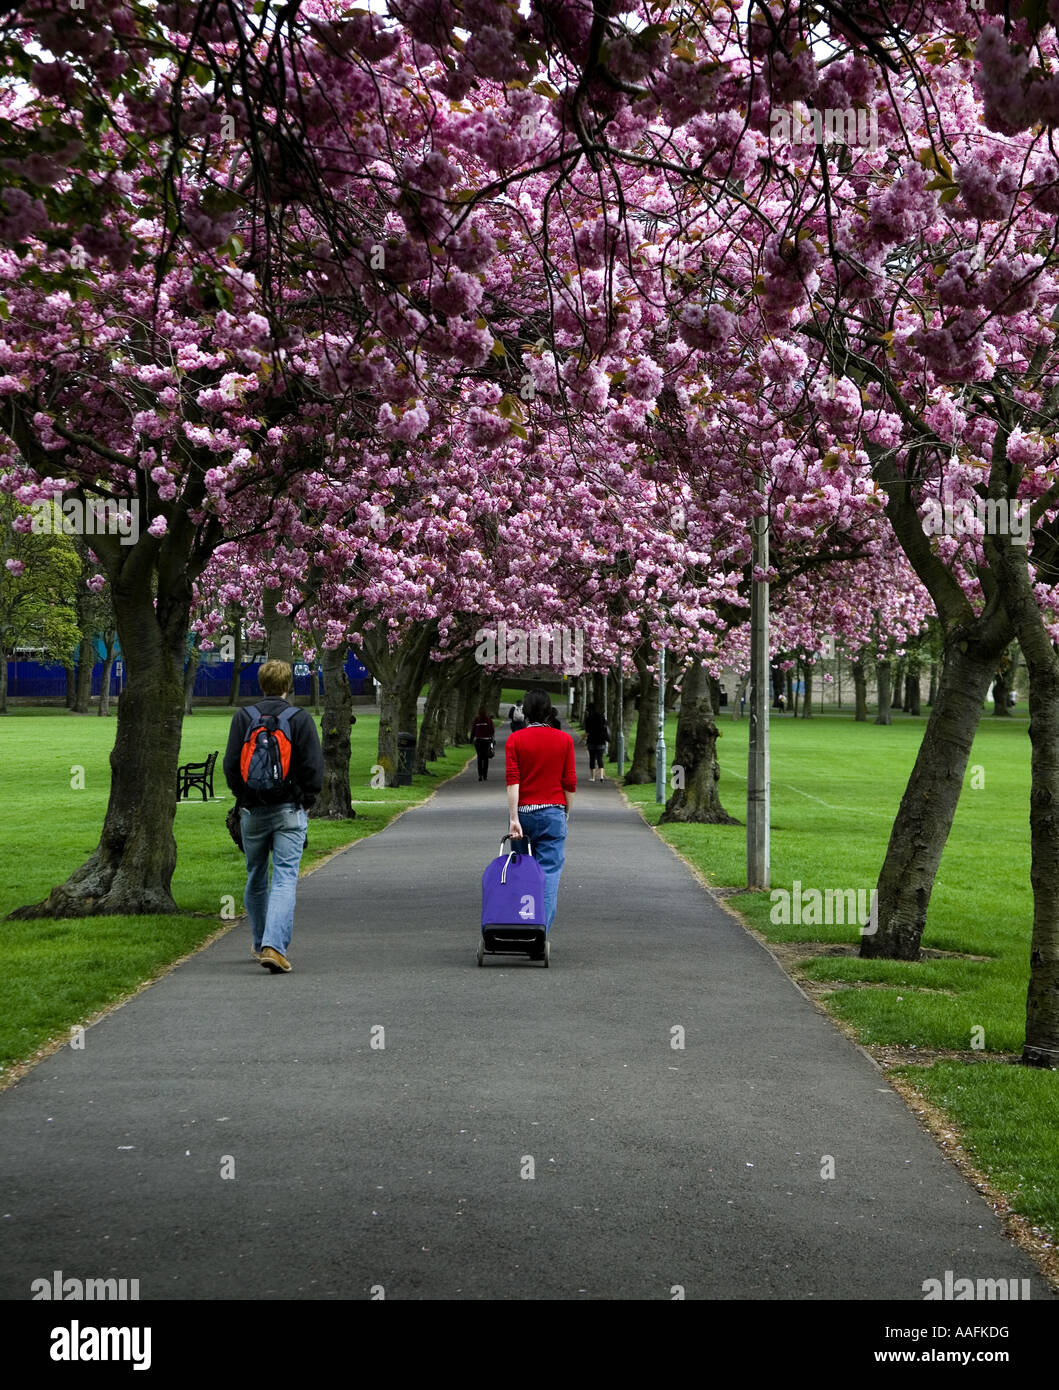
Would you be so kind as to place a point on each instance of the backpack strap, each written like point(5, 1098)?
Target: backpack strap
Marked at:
point(285, 716)
point(253, 713)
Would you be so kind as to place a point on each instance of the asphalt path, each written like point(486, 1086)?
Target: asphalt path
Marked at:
point(389, 1120)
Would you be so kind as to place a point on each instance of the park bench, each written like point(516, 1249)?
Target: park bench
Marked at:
point(199, 775)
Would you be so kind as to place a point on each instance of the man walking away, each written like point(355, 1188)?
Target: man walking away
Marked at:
point(275, 776)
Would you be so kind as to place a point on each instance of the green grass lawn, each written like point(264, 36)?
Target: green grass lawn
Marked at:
point(836, 786)
point(59, 973)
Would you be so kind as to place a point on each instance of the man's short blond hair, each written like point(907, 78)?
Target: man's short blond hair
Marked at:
point(274, 678)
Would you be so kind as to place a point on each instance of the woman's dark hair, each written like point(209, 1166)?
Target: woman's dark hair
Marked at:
point(536, 705)
point(590, 708)
point(482, 712)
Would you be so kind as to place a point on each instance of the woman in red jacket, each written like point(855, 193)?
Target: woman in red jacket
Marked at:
point(541, 782)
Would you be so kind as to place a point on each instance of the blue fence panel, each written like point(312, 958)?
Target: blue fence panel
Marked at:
point(47, 681)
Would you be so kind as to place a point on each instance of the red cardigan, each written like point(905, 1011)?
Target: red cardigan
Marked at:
point(541, 761)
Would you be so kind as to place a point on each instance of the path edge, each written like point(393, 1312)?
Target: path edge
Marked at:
point(18, 1070)
point(930, 1117)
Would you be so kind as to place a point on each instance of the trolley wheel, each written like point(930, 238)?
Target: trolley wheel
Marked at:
point(547, 953)
point(481, 952)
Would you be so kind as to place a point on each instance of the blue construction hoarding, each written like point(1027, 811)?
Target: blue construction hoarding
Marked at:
point(42, 681)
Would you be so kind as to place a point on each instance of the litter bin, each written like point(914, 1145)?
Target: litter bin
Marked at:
point(406, 753)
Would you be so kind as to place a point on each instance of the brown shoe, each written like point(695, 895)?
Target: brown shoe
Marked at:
point(272, 960)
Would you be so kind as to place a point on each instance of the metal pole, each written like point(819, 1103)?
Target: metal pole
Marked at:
point(621, 717)
point(757, 782)
point(660, 747)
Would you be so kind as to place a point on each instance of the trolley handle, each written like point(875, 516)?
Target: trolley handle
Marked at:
point(529, 847)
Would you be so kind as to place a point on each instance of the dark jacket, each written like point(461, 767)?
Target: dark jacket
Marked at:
point(596, 731)
point(307, 759)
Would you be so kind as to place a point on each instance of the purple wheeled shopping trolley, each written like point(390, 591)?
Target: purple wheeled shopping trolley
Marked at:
point(513, 921)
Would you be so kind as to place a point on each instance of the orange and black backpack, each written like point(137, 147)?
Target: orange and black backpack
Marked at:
point(265, 758)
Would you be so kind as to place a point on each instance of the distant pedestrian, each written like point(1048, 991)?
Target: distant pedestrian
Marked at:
point(275, 778)
point(541, 782)
point(483, 732)
point(517, 717)
point(597, 737)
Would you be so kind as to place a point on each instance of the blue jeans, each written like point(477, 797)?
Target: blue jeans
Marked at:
point(546, 832)
point(281, 830)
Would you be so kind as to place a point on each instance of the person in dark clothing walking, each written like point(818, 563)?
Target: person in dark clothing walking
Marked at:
point(275, 820)
point(597, 736)
point(482, 735)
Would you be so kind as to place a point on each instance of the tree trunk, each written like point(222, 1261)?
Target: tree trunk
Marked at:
point(190, 672)
point(428, 746)
point(132, 867)
point(448, 717)
point(335, 800)
point(400, 670)
point(389, 726)
point(860, 693)
point(792, 698)
point(580, 700)
point(612, 712)
point(927, 808)
point(1001, 710)
point(86, 659)
point(932, 693)
point(470, 699)
point(103, 708)
point(314, 687)
point(642, 768)
point(238, 649)
point(741, 688)
point(807, 700)
point(1041, 1048)
point(696, 755)
point(912, 702)
point(408, 705)
point(882, 685)
point(71, 684)
point(897, 686)
point(279, 628)
point(445, 678)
